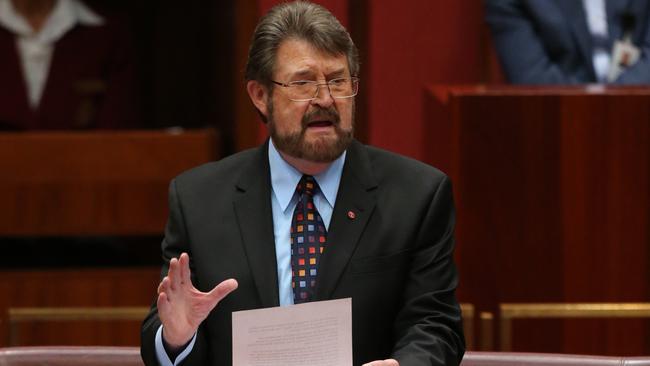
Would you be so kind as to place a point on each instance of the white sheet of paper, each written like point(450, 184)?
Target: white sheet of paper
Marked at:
point(315, 333)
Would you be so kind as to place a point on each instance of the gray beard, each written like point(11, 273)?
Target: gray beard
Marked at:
point(319, 151)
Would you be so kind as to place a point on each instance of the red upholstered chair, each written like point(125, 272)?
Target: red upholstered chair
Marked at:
point(547, 359)
point(70, 356)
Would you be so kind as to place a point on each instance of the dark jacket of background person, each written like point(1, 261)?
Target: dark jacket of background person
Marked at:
point(549, 41)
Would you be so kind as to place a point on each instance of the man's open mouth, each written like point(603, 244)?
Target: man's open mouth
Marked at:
point(323, 123)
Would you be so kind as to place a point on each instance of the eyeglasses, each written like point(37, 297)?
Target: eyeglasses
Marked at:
point(307, 90)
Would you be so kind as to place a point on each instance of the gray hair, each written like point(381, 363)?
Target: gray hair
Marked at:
point(300, 20)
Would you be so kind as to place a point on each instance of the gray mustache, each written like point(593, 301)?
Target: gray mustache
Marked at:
point(330, 114)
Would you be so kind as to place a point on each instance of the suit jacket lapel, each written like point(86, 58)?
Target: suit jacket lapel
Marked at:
point(354, 205)
point(255, 219)
point(576, 17)
point(614, 10)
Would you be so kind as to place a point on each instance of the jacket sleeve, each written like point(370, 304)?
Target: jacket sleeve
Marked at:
point(521, 51)
point(428, 329)
point(174, 243)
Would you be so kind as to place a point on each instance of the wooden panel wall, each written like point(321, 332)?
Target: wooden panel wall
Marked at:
point(553, 204)
point(76, 288)
point(67, 201)
point(410, 45)
point(88, 183)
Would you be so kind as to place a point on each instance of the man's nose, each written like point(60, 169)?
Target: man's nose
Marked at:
point(323, 96)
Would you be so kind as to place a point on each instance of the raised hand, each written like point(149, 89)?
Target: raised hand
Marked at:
point(181, 307)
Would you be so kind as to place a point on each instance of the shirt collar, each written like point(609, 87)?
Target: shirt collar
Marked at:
point(65, 15)
point(285, 178)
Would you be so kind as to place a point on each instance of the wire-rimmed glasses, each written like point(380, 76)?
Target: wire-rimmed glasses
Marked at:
point(307, 90)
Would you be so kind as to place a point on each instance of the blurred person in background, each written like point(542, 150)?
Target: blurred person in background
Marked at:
point(64, 66)
point(572, 41)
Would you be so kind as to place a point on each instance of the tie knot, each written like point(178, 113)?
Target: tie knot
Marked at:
point(307, 185)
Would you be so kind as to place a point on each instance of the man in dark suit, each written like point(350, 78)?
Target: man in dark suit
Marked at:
point(569, 41)
point(383, 223)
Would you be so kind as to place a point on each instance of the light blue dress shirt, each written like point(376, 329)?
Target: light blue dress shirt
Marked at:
point(284, 179)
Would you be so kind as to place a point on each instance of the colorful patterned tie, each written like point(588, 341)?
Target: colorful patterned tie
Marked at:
point(308, 237)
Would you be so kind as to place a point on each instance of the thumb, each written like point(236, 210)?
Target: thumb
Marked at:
point(223, 289)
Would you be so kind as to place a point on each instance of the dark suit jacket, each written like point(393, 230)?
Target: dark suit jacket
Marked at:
point(394, 259)
point(549, 42)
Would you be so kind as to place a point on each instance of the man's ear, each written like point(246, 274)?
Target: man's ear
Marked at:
point(259, 95)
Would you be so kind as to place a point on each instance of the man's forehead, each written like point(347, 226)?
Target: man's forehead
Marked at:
point(299, 57)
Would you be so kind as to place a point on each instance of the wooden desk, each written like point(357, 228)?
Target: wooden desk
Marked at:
point(553, 203)
point(88, 184)
point(93, 183)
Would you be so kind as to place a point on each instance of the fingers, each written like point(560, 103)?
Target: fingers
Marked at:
point(174, 274)
point(164, 285)
point(389, 362)
point(179, 275)
point(184, 264)
point(179, 271)
point(163, 305)
point(223, 289)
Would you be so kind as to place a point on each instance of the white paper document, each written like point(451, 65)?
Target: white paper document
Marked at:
point(315, 333)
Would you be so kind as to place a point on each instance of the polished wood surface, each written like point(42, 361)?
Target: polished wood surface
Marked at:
point(93, 183)
point(86, 185)
point(510, 312)
point(70, 356)
point(52, 293)
point(553, 204)
point(468, 312)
